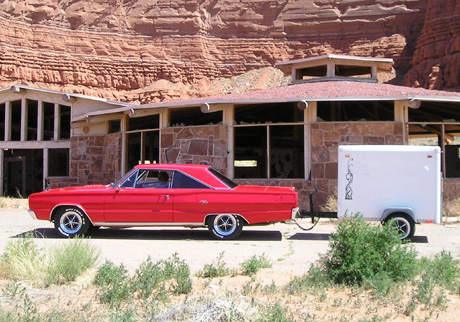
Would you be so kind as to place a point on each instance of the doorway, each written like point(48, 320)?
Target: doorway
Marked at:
point(22, 172)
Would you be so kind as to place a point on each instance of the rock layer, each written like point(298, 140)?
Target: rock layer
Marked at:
point(436, 61)
point(145, 51)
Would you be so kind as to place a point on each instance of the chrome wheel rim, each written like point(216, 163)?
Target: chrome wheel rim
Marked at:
point(225, 225)
point(71, 222)
point(399, 227)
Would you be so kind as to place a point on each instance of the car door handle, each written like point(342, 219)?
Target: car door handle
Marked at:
point(203, 202)
point(166, 196)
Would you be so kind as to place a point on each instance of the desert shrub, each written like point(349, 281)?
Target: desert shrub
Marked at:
point(70, 260)
point(150, 277)
point(274, 313)
point(444, 270)
point(149, 280)
point(23, 260)
point(215, 269)
point(362, 253)
point(114, 283)
point(252, 265)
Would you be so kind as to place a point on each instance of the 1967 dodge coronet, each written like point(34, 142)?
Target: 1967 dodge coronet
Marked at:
point(165, 195)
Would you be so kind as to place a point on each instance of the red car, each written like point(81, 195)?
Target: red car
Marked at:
point(165, 195)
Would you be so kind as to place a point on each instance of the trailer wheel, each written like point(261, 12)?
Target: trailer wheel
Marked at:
point(400, 225)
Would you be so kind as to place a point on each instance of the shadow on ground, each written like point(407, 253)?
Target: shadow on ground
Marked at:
point(153, 234)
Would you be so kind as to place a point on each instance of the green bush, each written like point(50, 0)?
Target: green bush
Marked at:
point(114, 283)
point(254, 264)
point(362, 253)
point(216, 269)
point(151, 280)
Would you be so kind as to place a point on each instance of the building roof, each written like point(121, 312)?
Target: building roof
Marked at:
point(65, 95)
point(314, 92)
point(381, 63)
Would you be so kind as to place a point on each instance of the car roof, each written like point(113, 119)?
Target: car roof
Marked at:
point(198, 171)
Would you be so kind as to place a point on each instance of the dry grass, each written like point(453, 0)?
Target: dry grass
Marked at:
point(8, 203)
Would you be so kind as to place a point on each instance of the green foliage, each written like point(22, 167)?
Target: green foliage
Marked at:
point(254, 264)
point(274, 313)
point(149, 280)
point(216, 269)
point(360, 252)
point(114, 283)
point(70, 260)
point(314, 280)
point(444, 271)
point(150, 277)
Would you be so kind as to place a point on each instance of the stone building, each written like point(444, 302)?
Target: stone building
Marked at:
point(280, 136)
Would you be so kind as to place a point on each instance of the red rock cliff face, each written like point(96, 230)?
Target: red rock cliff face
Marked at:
point(143, 50)
point(436, 62)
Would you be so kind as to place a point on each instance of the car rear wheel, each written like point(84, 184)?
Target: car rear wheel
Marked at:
point(401, 226)
point(225, 226)
point(71, 221)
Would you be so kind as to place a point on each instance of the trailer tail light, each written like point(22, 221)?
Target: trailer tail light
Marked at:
point(430, 156)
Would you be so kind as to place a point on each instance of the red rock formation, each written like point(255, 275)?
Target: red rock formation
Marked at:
point(121, 49)
point(436, 62)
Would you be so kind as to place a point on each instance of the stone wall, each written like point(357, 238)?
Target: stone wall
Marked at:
point(93, 160)
point(196, 144)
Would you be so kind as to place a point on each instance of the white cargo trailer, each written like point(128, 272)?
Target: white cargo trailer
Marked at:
point(395, 184)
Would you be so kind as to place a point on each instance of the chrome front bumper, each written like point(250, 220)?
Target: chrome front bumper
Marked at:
point(32, 214)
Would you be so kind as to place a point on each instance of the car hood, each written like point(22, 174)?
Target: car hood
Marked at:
point(79, 188)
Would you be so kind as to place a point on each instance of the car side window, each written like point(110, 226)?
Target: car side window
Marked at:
point(153, 179)
point(182, 181)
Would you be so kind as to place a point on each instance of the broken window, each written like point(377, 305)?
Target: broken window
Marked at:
point(269, 141)
point(32, 120)
point(48, 121)
point(143, 140)
point(58, 162)
point(192, 116)
point(335, 111)
point(64, 122)
point(2, 122)
point(16, 121)
point(438, 124)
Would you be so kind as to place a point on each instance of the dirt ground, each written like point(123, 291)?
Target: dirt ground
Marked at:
point(290, 249)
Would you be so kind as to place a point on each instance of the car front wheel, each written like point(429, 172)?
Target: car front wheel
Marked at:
point(71, 222)
point(225, 226)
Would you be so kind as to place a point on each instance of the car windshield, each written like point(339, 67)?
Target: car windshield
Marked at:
point(128, 174)
point(223, 178)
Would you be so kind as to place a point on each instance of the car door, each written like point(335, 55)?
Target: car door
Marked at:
point(140, 198)
point(193, 200)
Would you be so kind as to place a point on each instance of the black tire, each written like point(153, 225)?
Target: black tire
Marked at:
point(225, 226)
point(71, 222)
point(401, 226)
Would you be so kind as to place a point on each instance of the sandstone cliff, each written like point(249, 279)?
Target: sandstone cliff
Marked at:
point(143, 50)
point(436, 61)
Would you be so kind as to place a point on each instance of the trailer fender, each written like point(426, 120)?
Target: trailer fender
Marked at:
point(390, 211)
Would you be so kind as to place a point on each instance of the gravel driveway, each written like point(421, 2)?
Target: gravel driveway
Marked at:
point(290, 249)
